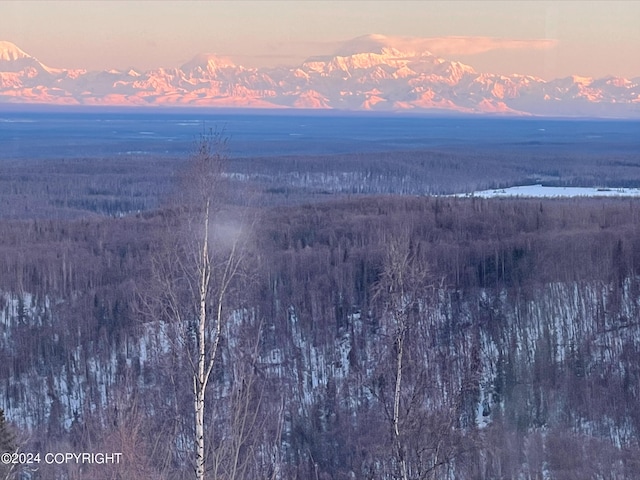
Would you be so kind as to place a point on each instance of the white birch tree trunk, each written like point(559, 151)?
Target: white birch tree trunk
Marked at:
point(201, 375)
point(400, 454)
point(193, 279)
point(402, 286)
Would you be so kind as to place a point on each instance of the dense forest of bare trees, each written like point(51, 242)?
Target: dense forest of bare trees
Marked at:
point(75, 188)
point(371, 337)
point(320, 317)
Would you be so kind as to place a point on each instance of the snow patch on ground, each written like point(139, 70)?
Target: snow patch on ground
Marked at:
point(540, 191)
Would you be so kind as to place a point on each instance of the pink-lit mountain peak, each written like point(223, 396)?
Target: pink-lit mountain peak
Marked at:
point(372, 72)
point(9, 52)
point(404, 54)
point(384, 45)
point(207, 62)
point(14, 59)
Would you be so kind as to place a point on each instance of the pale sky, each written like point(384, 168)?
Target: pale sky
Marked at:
point(548, 39)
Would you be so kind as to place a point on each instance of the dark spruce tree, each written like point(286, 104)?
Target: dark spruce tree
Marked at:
point(7, 438)
point(7, 444)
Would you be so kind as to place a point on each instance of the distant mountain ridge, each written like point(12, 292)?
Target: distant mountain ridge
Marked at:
point(372, 72)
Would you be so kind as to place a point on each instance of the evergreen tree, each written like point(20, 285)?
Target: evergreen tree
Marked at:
point(7, 439)
point(7, 444)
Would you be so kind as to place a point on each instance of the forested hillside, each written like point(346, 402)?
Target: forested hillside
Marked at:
point(514, 324)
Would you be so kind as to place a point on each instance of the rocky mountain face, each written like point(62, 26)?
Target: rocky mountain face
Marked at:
point(368, 73)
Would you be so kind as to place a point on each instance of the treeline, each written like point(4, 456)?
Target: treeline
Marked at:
point(521, 358)
point(472, 243)
point(76, 188)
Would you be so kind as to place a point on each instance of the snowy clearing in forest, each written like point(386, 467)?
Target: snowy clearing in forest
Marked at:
point(548, 192)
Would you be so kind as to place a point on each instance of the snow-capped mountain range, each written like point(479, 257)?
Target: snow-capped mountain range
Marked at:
point(367, 73)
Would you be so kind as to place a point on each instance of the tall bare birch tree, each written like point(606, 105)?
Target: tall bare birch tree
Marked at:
point(402, 290)
point(194, 274)
point(424, 438)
